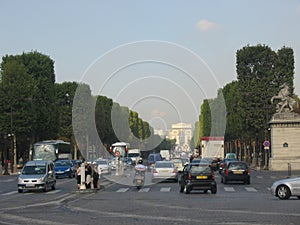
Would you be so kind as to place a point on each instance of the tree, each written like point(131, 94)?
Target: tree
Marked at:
point(205, 119)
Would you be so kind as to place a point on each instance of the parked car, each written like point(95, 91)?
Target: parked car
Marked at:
point(37, 175)
point(284, 189)
point(164, 170)
point(197, 176)
point(64, 168)
point(153, 158)
point(104, 165)
point(236, 171)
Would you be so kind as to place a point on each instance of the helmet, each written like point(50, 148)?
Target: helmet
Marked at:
point(140, 161)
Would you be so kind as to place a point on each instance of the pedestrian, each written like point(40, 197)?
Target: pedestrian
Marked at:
point(88, 176)
point(78, 176)
point(99, 177)
point(95, 176)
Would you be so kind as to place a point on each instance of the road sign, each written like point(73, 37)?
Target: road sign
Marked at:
point(266, 143)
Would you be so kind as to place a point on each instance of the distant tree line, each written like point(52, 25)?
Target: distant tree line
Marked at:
point(260, 73)
point(34, 107)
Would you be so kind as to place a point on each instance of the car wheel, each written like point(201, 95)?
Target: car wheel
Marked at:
point(205, 191)
point(46, 188)
point(222, 180)
point(298, 197)
point(53, 187)
point(20, 190)
point(247, 181)
point(214, 190)
point(283, 192)
point(187, 189)
point(225, 181)
point(181, 188)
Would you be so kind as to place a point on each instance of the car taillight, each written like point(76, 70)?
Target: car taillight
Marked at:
point(248, 171)
point(174, 171)
point(189, 176)
point(213, 176)
point(155, 171)
point(226, 171)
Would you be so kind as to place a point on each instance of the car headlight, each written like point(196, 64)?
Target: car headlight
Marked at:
point(42, 179)
point(20, 180)
point(67, 170)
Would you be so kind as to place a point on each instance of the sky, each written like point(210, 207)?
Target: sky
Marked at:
point(159, 58)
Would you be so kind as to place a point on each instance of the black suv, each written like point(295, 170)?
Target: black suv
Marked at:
point(197, 176)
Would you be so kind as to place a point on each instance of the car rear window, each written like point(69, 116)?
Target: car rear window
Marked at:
point(237, 166)
point(164, 165)
point(199, 168)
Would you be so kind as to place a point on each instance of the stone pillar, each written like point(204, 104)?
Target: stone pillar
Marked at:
point(285, 141)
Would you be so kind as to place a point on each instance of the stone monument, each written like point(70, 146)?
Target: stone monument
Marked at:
point(285, 133)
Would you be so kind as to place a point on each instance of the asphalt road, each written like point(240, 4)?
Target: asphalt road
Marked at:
point(161, 203)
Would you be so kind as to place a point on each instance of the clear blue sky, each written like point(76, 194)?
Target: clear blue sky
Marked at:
point(88, 40)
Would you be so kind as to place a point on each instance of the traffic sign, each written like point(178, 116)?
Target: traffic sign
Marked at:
point(266, 143)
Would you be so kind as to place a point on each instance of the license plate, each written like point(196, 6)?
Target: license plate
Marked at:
point(164, 171)
point(29, 185)
point(237, 172)
point(201, 177)
point(138, 181)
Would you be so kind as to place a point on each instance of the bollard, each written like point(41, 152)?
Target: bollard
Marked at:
point(289, 170)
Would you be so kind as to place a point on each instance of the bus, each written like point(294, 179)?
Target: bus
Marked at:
point(51, 150)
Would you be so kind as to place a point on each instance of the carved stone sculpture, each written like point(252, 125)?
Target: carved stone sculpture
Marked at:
point(286, 102)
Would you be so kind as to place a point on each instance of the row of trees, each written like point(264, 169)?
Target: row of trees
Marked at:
point(33, 107)
point(260, 72)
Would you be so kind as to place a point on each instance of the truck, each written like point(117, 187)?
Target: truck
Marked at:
point(135, 155)
point(165, 154)
point(212, 147)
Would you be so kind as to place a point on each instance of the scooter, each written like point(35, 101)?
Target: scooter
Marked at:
point(139, 179)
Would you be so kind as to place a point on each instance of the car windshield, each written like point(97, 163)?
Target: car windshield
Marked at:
point(199, 168)
point(36, 169)
point(62, 163)
point(164, 165)
point(101, 162)
point(133, 154)
point(237, 166)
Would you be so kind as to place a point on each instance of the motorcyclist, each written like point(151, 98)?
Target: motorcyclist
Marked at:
point(140, 167)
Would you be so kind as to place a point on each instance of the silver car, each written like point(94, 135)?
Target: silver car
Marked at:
point(164, 170)
point(37, 175)
point(284, 189)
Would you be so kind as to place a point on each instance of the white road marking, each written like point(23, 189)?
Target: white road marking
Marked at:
point(53, 192)
point(123, 190)
point(144, 190)
point(251, 189)
point(229, 189)
point(165, 189)
point(10, 193)
point(259, 177)
point(273, 177)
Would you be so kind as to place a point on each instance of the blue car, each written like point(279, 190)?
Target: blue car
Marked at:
point(64, 168)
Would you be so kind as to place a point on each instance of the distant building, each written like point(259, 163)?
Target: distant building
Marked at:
point(182, 133)
point(161, 133)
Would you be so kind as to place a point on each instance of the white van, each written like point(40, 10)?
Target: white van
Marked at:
point(135, 155)
point(37, 175)
point(165, 154)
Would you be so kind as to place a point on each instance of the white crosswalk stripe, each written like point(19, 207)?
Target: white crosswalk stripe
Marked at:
point(122, 189)
point(250, 189)
point(144, 190)
point(165, 189)
point(230, 189)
